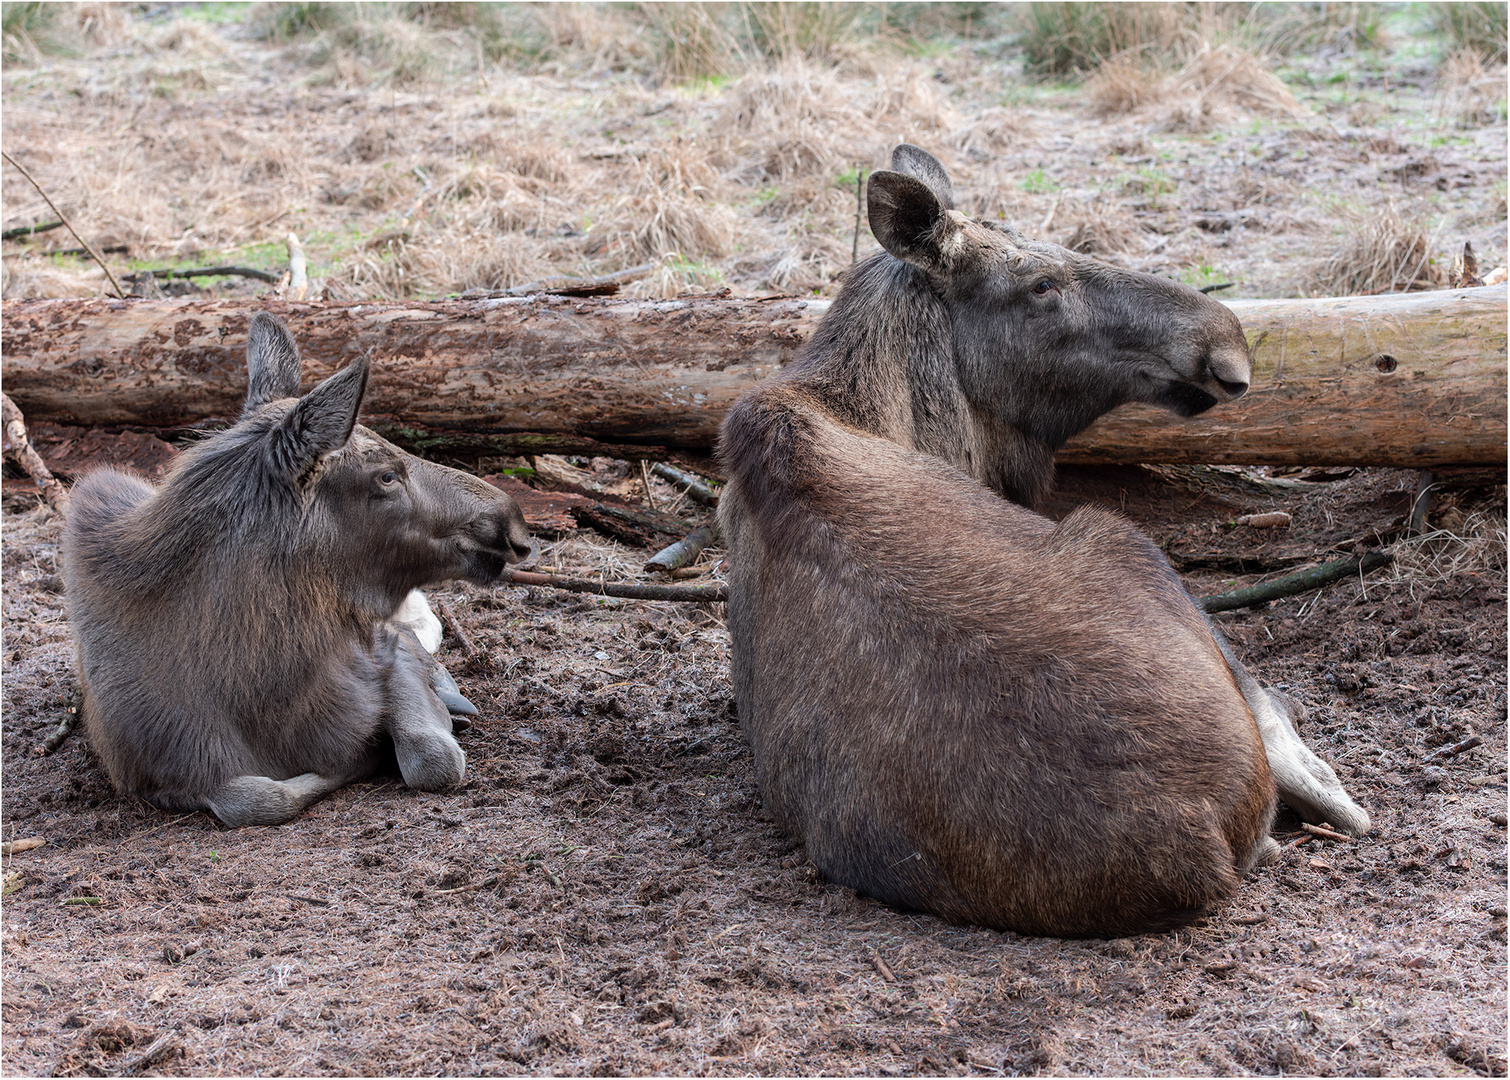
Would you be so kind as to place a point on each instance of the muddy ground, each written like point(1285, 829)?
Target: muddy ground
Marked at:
point(605, 894)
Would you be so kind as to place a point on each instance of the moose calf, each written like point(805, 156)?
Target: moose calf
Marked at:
point(961, 706)
point(236, 642)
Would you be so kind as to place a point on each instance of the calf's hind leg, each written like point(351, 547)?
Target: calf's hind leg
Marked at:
point(261, 800)
point(1305, 782)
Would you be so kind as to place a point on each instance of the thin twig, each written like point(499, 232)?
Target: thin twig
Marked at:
point(685, 594)
point(63, 217)
point(645, 479)
point(1454, 750)
point(443, 609)
point(494, 880)
point(854, 248)
point(1043, 226)
point(1325, 834)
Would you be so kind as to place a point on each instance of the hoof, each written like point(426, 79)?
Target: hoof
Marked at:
point(452, 698)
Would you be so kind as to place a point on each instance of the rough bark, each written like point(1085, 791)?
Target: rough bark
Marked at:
point(1414, 380)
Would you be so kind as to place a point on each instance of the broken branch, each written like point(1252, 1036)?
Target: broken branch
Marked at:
point(18, 448)
point(1291, 584)
point(685, 594)
point(683, 551)
point(65, 726)
point(695, 488)
point(208, 271)
point(1454, 750)
point(30, 230)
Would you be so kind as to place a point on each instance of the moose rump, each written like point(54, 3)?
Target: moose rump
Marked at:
point(965, 708)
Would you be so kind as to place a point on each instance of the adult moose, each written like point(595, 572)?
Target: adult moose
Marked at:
point(961, 706)
point(236, 642)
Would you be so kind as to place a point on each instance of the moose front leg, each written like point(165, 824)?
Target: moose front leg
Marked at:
point(1305, 782)
point(428, 756)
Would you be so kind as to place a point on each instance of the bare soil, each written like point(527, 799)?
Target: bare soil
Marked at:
point(605, 895)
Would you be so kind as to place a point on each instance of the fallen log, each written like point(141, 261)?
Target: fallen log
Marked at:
point(1409, 381)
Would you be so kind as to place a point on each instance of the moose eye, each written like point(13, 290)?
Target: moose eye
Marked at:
point(389, 477)
point(1043, 288)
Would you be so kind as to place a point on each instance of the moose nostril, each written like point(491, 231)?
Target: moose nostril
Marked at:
point(1234, 389)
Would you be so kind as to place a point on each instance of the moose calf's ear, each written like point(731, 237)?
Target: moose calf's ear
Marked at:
point(908, 219)
point(322, 421)
point(919, 163)
point(272, 363)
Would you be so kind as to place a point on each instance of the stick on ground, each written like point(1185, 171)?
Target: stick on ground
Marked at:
point(1291, 584)
point(696, 489)
point(684, 594)
point(683, 551)
point(95, 255)
point(453, 627)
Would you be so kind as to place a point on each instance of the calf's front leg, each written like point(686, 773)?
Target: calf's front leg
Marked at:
point(416, 719)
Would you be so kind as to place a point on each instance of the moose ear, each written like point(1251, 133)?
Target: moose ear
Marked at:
point(907, 218)
point(272, 363)
point(322, 421)
point(915, 161)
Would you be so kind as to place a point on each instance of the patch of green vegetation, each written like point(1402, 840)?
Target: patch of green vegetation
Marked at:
point(217, 14)
point(1038, 182)
point(847, 179)
point(1200, 276)
point(31, 30)
point(1479, 25)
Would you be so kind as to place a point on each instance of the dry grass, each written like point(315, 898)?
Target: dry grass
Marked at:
point(420, 150)
point(1385, 250)
point(1472, 94)
point(1215, 85)
point(1465, 546)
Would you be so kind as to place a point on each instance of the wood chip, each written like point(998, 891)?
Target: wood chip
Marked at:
point(885, 972)
point(1277, 519)
point(15, 847)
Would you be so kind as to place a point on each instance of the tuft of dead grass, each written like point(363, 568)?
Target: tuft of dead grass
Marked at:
point(1476, 545)
point(1472, 94)
point(1383, 251)
point(672, 208)
point(1216, 82)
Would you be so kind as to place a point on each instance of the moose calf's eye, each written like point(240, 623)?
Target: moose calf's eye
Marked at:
point(1043, 287)
point(389, 477)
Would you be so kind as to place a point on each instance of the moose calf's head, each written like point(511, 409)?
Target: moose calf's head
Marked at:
point(1046, 339)
point(378, 520)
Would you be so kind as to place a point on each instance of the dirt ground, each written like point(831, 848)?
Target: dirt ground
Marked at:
point(605, 895)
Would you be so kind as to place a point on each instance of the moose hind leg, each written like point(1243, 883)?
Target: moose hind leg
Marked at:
point(1307, 784)
point(261, 800)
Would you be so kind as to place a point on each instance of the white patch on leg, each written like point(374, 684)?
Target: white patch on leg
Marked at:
point(416, 614)
point(1305, 782)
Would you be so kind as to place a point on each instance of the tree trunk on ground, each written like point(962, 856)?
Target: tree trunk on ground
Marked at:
point(1411, 380)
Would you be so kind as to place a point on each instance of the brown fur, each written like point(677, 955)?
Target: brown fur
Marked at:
point(961, 706)
point(233, 626)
